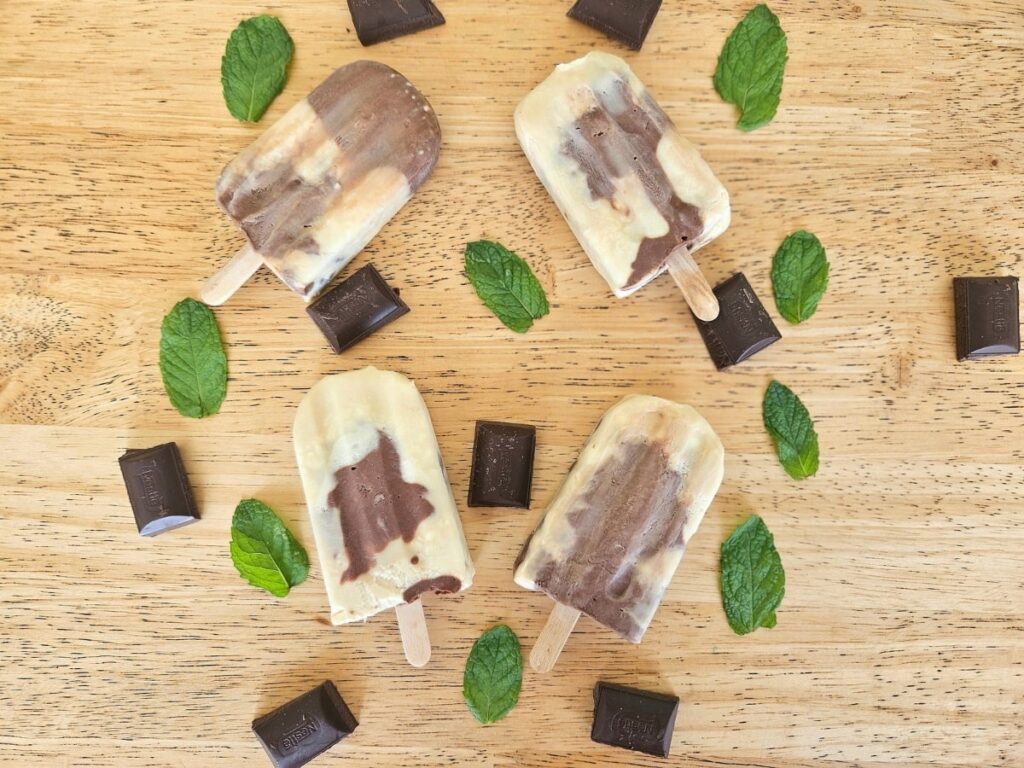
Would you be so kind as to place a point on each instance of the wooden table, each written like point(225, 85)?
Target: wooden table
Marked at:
point(901, 638)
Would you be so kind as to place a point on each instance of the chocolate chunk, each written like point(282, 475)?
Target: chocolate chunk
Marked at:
point(987, 317)
point(158, 489)
point(502, 472)
point(355, 308)
point(305, 727)
point(634, 719)
point(742, 328)
point(379, 20)
point(627, 21)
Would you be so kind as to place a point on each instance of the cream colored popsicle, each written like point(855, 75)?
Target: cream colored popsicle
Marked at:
point(637, 195)
point(386, 526)
point(314, 189)
point(613, 536)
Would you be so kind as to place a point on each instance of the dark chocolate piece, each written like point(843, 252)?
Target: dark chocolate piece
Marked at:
point(742, 328)
point(355, 308)
point(634, 719)
point(380, 20)
point(305, 727)
point(158, 489)
point(987, 317)
point(502, 472)
point(627, 21)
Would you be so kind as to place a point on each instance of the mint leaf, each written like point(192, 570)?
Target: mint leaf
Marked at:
point(506, 284)
point(264, 552)
point(750, 67)
point(192, 360)
point(252, 70)
point(494, 675)
point(753, 581)
point(792, 430)
point(799, 276)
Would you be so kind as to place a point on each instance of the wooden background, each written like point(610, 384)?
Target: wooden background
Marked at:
point(901, 637)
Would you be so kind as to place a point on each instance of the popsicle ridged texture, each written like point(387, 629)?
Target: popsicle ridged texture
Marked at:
point(385, 523)
point(612, 538)
point(630, 187)
point(314, 189)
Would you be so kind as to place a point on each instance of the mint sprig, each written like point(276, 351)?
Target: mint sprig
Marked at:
point(799, 276)
point(751, 66)
point(494, 675)
point(252, 70)
point(505, 284)
point(264, 551)
point(193, 365)
point(752, 578)
point(792, 431)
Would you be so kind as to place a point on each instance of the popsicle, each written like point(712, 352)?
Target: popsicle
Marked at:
point(614, 534)
point(314, 189)
point(383, 517)
point(637, 195)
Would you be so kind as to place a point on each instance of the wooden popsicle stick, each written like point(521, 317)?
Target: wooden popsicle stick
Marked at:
point(229, 278)
point(693, 284)
point(412, 624)
point(552, 638)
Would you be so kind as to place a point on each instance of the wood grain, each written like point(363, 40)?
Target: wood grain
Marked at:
point(901, 638)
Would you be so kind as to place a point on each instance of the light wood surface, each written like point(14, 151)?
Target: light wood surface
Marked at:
point(901, 637)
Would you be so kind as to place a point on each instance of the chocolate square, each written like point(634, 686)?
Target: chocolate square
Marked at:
point(634, 719)
point(380, 20)
point(158, 489)
point(987, 317)
point(502, 472)
point(355, 308)
point(627, 21)
point(307, 726)
point(742, 328)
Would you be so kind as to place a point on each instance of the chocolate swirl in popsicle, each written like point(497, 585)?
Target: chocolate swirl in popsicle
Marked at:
point(619, 137)
point(612, 537)
point(629, 185)
point(376, 506)
point(629, 512)
point(380, 507)
point(323, 180)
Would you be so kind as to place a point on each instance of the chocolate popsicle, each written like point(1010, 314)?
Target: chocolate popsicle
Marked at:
point(614, 534)
point(314, 189)
point(385, 523)
point(637, 195)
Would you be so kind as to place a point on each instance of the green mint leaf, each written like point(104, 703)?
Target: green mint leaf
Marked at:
point(799, 276)
point(252, 70)
point(753, 581)
point(264, 552)
point(494, 675)
point(792, 430)
point(192, 360)
point(750, 67)
point(505, 284)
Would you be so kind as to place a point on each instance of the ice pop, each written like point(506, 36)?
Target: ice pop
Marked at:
point(614, 534)
point(637, 195)
point(314, 189)
point(385, 523)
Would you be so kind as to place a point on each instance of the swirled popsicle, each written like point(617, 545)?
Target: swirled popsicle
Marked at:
point(614, 534)
point(637, 195)
point(386, 526)
point(314, 189)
